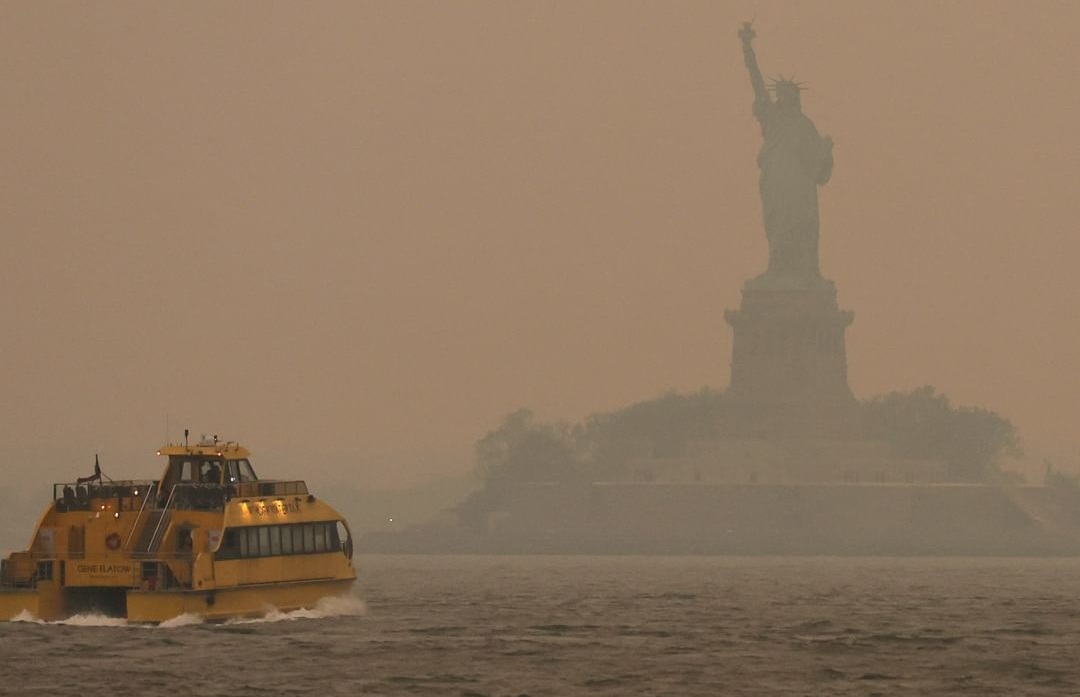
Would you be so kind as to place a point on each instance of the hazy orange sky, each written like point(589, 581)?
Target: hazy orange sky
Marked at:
point(361, 232)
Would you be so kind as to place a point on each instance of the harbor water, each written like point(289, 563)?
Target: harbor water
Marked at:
point(470, 625)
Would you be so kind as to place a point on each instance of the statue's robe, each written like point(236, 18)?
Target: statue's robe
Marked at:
point(794, 161)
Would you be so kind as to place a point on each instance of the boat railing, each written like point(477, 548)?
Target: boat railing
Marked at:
point(263, 487)
point(198, 497)
point(142, 493)
point(8, 579)
point(151, 495)
point(162, 522)
point(73, 496)
point(191, 496)
point(182, 497)
point(180, 555)
point(79, 556)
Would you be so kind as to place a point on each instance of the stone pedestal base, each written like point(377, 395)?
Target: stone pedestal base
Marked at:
point(788, 362)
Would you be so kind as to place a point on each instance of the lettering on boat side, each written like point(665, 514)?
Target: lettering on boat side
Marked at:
point(282, 508)
point(103, 568)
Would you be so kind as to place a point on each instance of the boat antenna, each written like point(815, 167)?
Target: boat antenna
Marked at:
point(185, 438)
point(97, 470)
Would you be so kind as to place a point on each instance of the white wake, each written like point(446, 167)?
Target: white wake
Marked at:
point(87, 620)
point(339, 606)
point(342, 606)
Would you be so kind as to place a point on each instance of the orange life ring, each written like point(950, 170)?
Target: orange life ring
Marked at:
point(113, 541)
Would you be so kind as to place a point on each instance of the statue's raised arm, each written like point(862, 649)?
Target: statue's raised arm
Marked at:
point(747, 35)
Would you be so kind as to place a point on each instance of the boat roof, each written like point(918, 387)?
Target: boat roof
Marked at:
point(225, 450)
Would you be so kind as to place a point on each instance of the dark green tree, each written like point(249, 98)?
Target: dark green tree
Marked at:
point(523, 449)
point(665, 423)
point(922, 423)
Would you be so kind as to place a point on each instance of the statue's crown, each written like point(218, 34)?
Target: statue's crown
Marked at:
point(784, 83)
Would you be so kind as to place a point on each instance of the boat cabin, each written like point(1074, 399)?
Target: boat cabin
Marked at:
point(206, 463)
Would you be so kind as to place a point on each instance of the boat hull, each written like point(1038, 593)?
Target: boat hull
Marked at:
point(49, 604)
point(228, 603)
point(44, 602)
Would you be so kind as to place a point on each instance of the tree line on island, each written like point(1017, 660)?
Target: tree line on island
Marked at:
point(970, 442)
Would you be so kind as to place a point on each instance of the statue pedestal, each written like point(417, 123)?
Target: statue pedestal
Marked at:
point(788, 362)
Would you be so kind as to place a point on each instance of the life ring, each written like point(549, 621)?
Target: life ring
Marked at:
point(113, 541)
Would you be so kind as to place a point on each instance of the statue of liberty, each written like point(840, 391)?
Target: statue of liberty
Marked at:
point(794, 160)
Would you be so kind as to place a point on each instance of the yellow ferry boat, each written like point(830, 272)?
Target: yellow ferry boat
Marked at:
point(209, 539)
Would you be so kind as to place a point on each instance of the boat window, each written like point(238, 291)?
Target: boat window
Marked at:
point(277, 540)
point(230, 544)
point(187, 471)
point(286, 539)
point(338, 534)
point(264, 541)
point(232, 475)
point(247, 474)
point(210, 472)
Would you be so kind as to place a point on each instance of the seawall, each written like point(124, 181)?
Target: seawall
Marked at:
point(840, 519)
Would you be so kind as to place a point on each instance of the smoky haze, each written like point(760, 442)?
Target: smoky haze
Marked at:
point(357, 234)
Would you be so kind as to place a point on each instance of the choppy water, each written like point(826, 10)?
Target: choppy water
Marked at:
point(602, 626)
